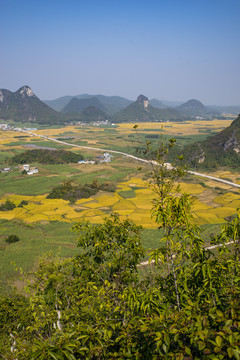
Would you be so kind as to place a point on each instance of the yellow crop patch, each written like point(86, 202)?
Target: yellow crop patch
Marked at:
point(35, 218)
point(186, 128)
point(106, 200)
point(192, 188)
point(84, 201)
point(123, 205)
point(223, 211)
point(227, 198)
point(8, 215)
point(197, 206)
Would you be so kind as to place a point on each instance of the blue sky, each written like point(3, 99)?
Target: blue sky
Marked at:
point(165, 49)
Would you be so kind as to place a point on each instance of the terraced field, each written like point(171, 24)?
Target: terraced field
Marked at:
point(209, 207)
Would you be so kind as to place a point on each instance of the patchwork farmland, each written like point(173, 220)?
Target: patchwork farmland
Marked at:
point(132, 199)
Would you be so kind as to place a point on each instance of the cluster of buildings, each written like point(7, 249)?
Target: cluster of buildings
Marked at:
point(95, 123)
point(5, 127)
point(105, 158)
point(28, 169)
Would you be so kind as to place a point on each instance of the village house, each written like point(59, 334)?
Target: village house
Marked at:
point(28, 169)
point(32, 171)
point(5, 169)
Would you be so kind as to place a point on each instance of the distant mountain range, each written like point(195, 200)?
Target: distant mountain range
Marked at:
point(111, 104)
point(141, 110)
point(222, 149)
point(23, 105)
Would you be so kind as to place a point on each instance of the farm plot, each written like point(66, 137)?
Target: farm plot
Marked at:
point(137, 207)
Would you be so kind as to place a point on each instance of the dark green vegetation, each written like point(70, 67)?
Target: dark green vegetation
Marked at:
point(127, 194)
point(67, 191)
point(101, 305)
point(43, 156)
point(141, 111)
point(12, 239)
point(221, 149)
point(8, 205)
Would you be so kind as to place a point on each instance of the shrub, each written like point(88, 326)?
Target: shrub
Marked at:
point(12, 239)
point(8, 205)
point(22, 203)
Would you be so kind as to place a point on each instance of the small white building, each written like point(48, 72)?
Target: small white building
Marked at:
point(32, 171)
point(26, 167)
point(6, 169)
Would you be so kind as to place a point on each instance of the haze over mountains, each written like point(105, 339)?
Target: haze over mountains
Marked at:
point(24, 105)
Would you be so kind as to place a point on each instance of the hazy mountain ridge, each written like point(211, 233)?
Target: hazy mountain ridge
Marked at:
point(195, 108)
point(78, 105)
point(141, 110)
point(24, 105)
point(112, 104)
point(92, 114)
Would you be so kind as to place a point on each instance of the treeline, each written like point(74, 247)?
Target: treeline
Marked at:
point(44, 156)
point(70, 192)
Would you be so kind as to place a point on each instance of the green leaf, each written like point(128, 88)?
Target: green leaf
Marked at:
point(236, 353)
point(218, 341)
point(54, 356)
point(230, 352)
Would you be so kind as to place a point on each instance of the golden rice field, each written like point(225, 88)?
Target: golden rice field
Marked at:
point(208, 207)
point(91, 136)
point(137, 208)
point(171, 128)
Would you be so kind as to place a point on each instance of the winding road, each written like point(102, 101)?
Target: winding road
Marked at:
point(129, 156)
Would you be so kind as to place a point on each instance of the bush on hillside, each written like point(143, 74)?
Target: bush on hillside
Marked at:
point(8, 205)
point(12, 239)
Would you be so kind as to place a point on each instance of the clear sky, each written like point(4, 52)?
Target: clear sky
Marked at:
point(165, 49)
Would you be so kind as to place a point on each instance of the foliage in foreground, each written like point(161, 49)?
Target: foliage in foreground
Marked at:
point(105, 304)
point(101, 305)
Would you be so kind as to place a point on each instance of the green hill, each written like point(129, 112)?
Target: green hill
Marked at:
point(24, 105)
point(142, 111)
point(222, 149)
point(78, 105)
point(91, 114)
point(195, 108)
